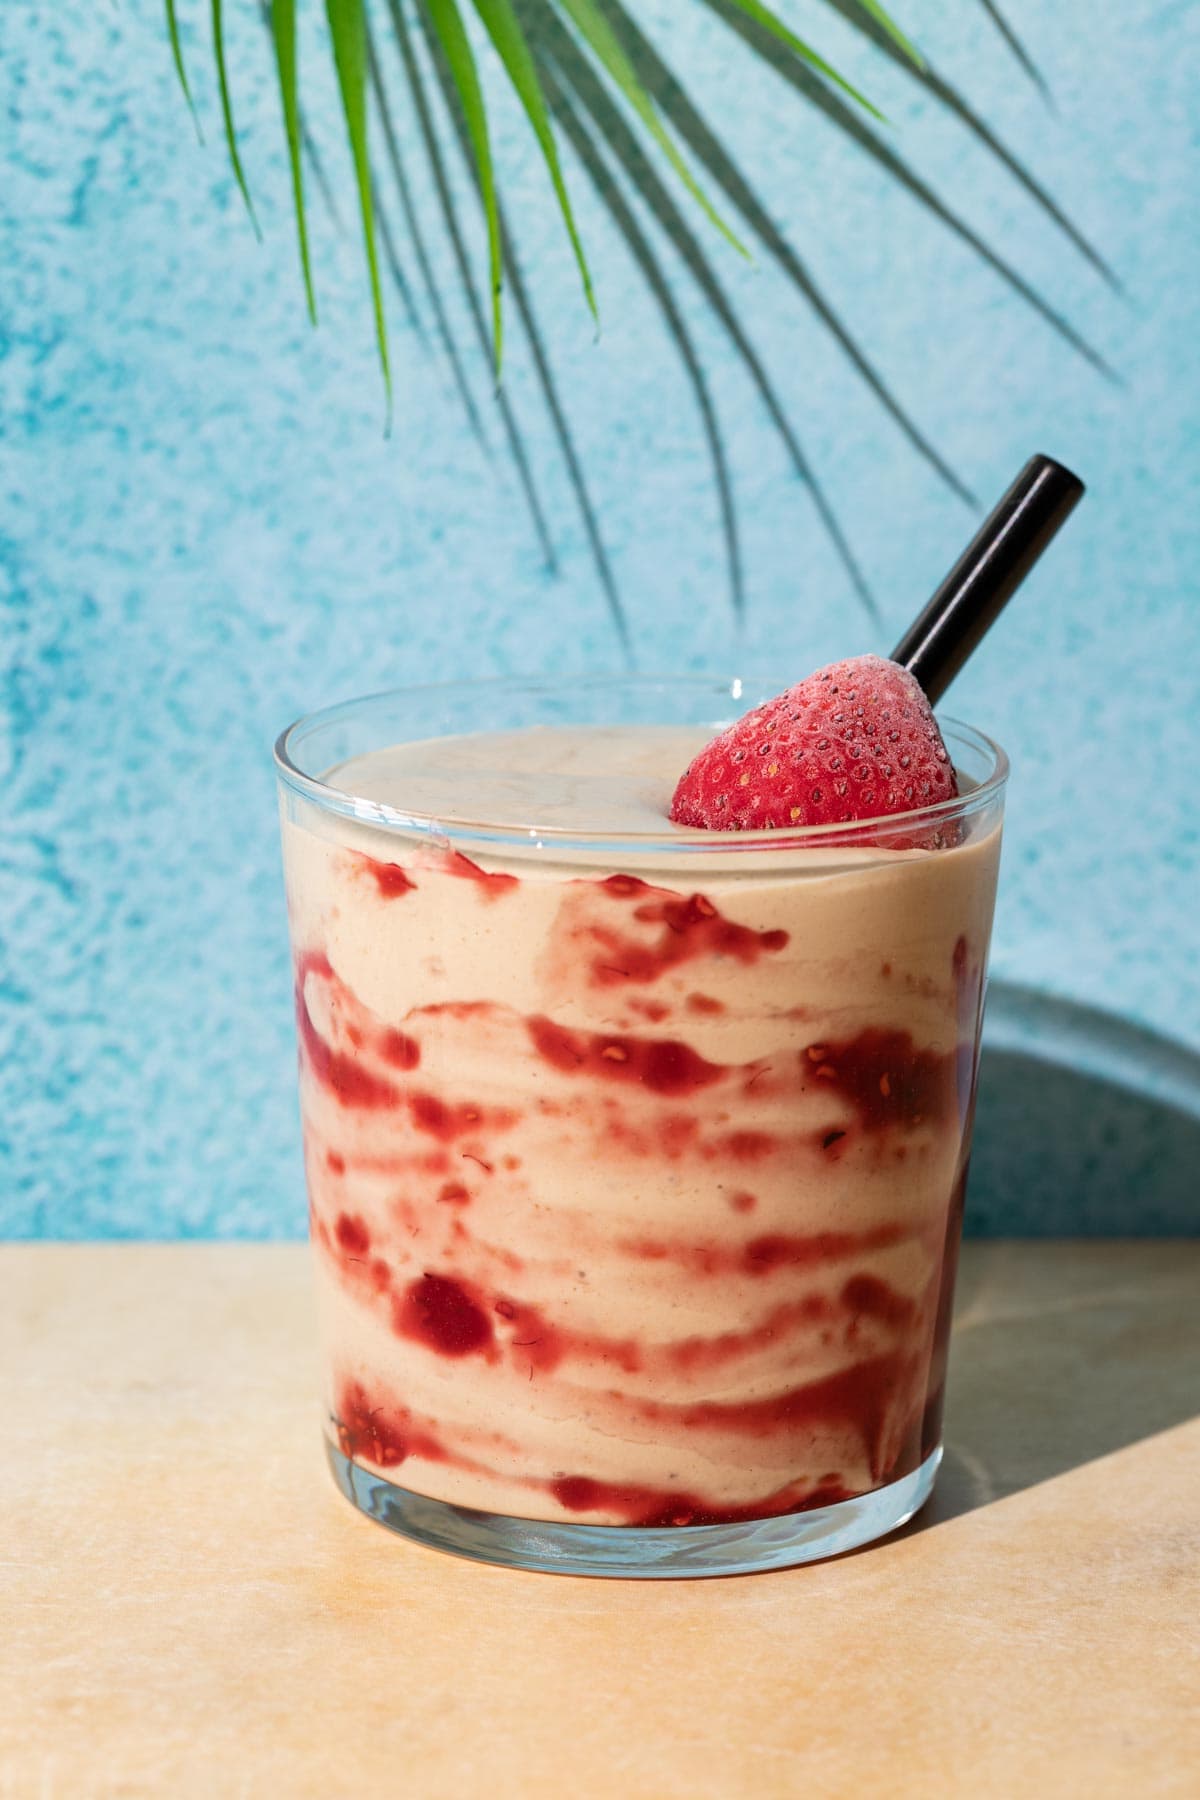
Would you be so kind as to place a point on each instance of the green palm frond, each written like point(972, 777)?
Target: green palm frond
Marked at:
point(893, 31)
point(590, 101)
point(231, 140)
point(587, 147)
point(586, 74)
point(770, 21)
point(283, 34)
point(593, 27)
point(348, 30)
point(396, 165)
point(513, 49)
point(180, 66)
point(555, 408)
point(447, 24)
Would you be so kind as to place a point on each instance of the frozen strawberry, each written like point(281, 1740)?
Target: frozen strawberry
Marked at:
point(857, 740)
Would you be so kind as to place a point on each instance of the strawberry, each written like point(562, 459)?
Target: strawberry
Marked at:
point(857, 740)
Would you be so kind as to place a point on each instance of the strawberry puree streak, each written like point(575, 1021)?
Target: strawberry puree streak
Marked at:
point(634, 1202)
point(690, 928)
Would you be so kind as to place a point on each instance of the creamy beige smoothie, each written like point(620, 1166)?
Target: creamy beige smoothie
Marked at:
point(635, 1177)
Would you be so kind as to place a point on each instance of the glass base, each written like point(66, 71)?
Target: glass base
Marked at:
point(630, 1550)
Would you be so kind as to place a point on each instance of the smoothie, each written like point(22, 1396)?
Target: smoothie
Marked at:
point(635, 1167)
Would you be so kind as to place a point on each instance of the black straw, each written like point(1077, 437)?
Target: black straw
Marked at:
point(988, 573)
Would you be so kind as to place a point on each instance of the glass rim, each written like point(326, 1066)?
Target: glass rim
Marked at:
point(672, 839)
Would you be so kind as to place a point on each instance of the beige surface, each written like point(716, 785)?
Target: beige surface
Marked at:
point(188, 1607)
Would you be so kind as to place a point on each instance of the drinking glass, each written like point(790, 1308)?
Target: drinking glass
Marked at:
point(635, 1159)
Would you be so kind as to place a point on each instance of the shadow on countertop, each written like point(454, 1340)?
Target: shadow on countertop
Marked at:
point(1059, 1360)
point(1088, 1127)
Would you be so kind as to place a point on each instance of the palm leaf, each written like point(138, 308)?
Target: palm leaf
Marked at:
point(611, 129)
point(417, 238)
point(586, 73)
point(706, 147)
point(599, 35)
point(283, 34)
point(460, 59)
point(893, 30)
point(180, 67)
point(445, 197)
point(348, 30)
point(848, 120)
point(504, 28)
point(560, 425)
point(576, 473)
point(586, 147)
point(770, 21)
point(961, 109)
point(218, 30)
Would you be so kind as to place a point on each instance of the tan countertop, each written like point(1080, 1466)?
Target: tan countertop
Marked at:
point(187, 1606)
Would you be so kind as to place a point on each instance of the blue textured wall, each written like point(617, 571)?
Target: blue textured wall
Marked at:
point(203, 532)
